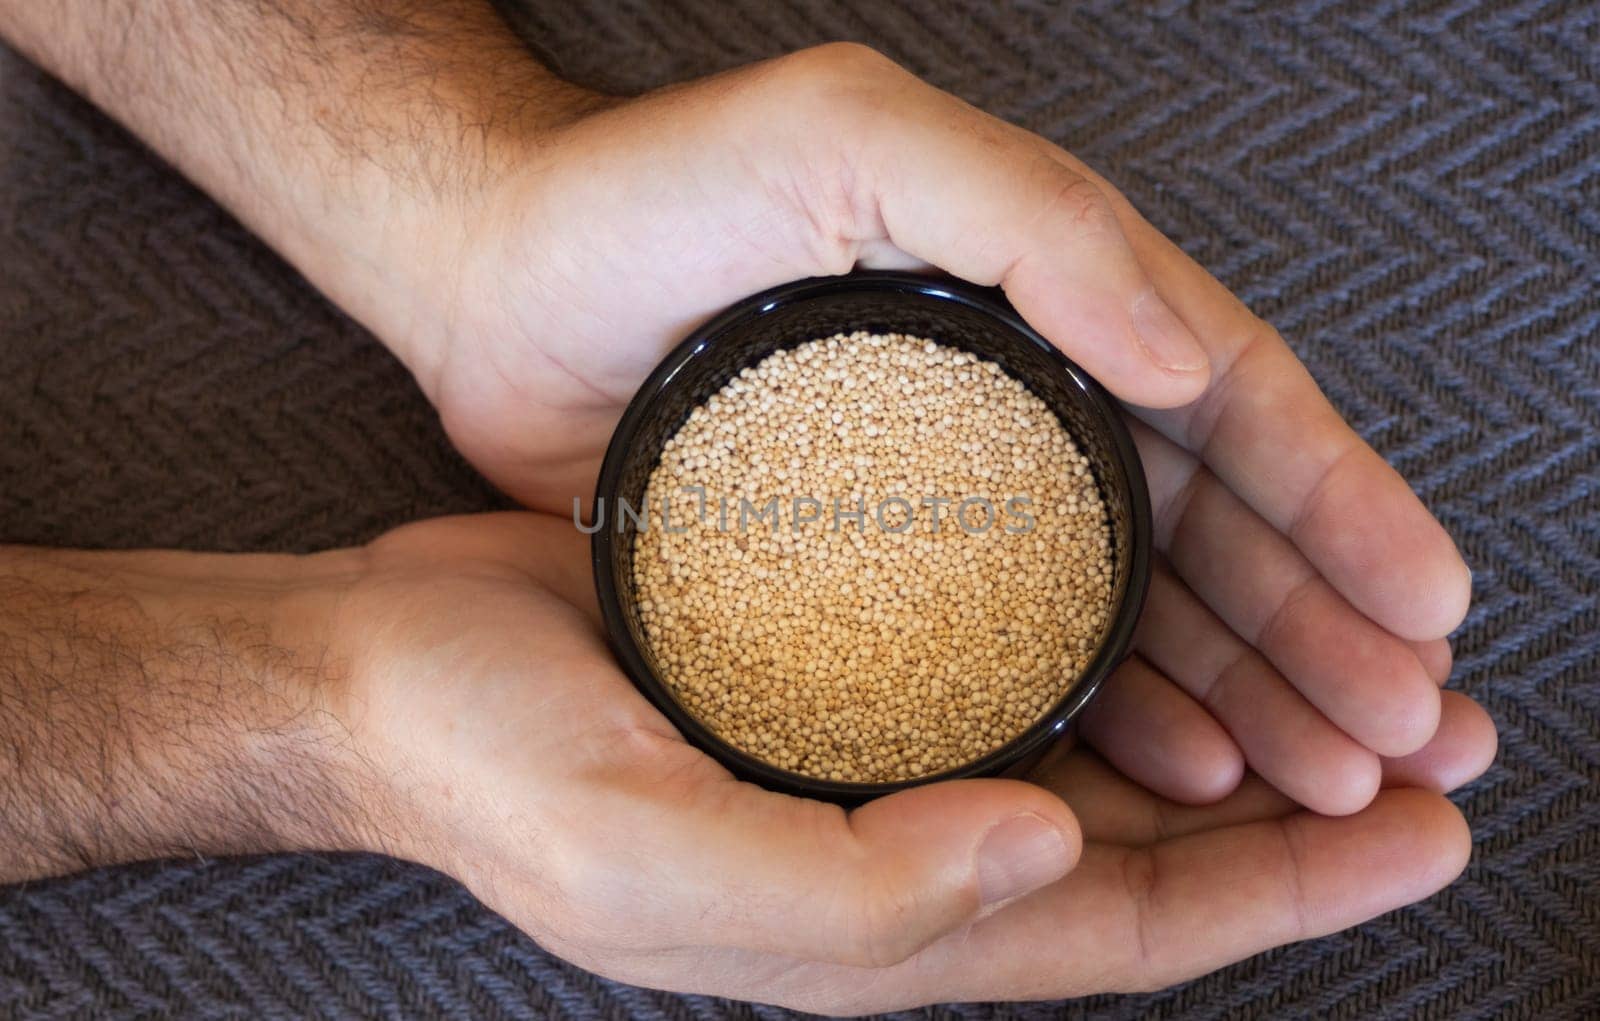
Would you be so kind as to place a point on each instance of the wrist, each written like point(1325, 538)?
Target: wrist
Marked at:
point(390, 241)
point(356, 139)
point(318, 786)
point(167, 704)
point(379, 183)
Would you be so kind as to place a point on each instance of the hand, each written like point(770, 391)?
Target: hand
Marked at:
point(443, 695)
point(531, 268)
point(531, 249)
point(1297, 624)
point(500, 744)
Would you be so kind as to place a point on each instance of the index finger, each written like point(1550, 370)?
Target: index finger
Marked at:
point(1266, 429)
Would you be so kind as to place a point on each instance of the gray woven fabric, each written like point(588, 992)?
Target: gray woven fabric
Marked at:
point(1411, 195)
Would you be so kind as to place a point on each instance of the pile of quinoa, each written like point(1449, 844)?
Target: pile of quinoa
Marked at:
point(879, 649)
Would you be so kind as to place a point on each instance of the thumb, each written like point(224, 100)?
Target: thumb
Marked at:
point(761, 871)
point(994, 204)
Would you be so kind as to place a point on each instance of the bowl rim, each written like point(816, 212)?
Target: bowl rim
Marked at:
point(986, 301)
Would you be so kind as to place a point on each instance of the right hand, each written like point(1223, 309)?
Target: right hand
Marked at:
point(492, 736)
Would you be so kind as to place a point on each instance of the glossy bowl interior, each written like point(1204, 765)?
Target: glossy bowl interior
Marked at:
point(959, 315)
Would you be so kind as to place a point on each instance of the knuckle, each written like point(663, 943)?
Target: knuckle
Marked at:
point(1141, 955)
point(1253, 341)
point(839, 79)
point(884, 928)
point(1078, 202)
point(844, 61)
point(595, 900)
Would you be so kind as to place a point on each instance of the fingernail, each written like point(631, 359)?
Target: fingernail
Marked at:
point(1018, 856)
point(1164, 336)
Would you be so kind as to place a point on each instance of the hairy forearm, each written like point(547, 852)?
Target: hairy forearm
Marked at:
point(156, 704)
point(340, 131)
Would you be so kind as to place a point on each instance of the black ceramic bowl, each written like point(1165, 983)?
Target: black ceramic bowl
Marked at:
point(959, 315)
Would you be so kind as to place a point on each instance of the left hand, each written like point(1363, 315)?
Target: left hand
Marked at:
point(444, 694)
point(487, 732)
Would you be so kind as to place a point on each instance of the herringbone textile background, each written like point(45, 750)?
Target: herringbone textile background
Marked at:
point(1410, 192)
